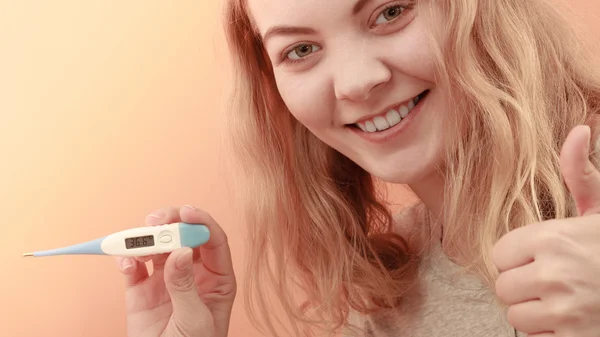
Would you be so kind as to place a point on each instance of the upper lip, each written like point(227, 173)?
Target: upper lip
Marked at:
point(385, 110)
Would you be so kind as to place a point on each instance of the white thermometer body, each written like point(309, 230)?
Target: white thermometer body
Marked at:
point(141, 241)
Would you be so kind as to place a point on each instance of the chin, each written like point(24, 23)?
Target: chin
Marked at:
point(408, 167)
point(397, 174)
point(403, 177)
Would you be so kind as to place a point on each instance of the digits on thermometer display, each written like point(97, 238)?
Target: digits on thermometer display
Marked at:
point(139, 241)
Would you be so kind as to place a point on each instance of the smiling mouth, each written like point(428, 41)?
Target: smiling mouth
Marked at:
point(390, 118)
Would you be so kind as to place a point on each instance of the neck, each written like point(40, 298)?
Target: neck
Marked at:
point(430, 190)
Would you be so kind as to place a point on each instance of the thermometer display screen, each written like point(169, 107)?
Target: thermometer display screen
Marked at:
point(139, 242)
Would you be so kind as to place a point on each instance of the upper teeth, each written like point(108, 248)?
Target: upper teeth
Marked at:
point(389, 119)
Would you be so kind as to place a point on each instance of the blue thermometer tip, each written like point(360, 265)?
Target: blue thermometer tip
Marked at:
point(91, 247)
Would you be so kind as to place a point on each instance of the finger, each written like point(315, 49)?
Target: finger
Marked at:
point(135, 272)
point(543, 334)
point(530, 317)
point(163, 216)
point(215, 254)
point(581, 177)
point(158, 262)
point(516, 248)
point(188, 309)
point(197, 256)
point(518, 285)
point(143, 259)
point(160, 217)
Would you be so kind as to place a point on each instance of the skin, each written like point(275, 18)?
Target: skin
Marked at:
point(385, 46)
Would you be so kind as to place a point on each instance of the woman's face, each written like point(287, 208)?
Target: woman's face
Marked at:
point(359, 75)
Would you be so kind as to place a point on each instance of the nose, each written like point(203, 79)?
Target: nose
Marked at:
point(358, 75)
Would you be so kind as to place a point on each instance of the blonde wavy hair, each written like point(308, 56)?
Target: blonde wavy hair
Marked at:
point(322, 241)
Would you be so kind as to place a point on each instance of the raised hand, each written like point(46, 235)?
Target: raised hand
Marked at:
point(550, 271)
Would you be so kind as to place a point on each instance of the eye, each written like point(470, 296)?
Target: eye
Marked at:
point(301, 51)
point(389, 14)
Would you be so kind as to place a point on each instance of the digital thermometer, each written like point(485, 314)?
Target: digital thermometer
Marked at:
point(139, 241)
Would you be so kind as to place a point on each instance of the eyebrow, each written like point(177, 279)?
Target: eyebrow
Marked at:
point(360, 4)
point(287, 30)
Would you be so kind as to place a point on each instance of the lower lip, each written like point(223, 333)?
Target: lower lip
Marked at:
point(390, 133)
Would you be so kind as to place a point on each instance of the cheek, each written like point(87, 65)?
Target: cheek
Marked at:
point(411, 53)
point(307, 99)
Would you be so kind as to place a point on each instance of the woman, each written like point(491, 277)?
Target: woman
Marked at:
point(483, 107)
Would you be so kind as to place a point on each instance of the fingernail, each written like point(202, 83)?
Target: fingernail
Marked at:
point(126, 264)
point(157, 215)
point(190, 207)
point(152, 218)
point(184, 261)
point(588, 138)
point(588, 133)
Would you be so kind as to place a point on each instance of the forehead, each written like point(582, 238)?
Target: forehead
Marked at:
point(267, 13)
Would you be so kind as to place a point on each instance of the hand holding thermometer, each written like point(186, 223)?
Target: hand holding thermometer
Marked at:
point(139, 241)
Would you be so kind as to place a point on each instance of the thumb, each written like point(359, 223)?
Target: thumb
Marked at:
point(190, 314)
point(581, 177)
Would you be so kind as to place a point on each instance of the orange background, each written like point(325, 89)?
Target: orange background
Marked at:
point(110, 110)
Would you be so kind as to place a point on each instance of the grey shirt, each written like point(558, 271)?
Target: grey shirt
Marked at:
point(449, 303)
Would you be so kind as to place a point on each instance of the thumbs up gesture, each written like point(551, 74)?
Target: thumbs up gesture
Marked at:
point(550, 271)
